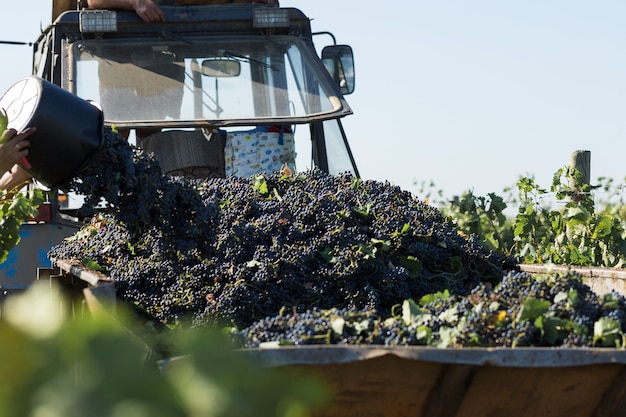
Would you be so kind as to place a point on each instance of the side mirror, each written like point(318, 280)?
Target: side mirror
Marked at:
point(339, 62)
point(216, 67)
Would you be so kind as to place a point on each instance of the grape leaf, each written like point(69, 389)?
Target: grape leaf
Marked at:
point(608, 332)
point(411, 312)
point(553, 329)
point(532, 309)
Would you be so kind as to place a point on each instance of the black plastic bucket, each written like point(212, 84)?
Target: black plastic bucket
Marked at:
point(70, 130)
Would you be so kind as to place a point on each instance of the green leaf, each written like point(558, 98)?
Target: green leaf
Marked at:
point(253, 264)
point(329, 255)
point(337, 325)
point(4, 121)
point(131, 248)
point(260, 184)
point(553, 329)
point(429, 298)
point(493, 306)
point(572, 296)
point(447, 337)
point(411, 313)
point(278, 197)
point(382, 244)
point(610, 302)
point(603, 228)
point(361, 326)
point(355, 183)
point(497, 203)
point(368, 251)
point(363, 211)
point(412, 264)
point(455, 264)
point(424, 333)
point(532, 309)
point(450, 315)
point(575, 213)
point(520, 225)
point(608, 332)
point(91, 264)
point(561, 296)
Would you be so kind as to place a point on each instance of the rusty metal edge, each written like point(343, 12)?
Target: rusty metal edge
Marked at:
point(503, 357)
point(78, 270)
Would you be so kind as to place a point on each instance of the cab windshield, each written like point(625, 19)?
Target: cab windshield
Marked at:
point(199, 81)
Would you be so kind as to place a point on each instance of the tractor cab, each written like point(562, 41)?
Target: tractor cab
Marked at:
point(215, 90)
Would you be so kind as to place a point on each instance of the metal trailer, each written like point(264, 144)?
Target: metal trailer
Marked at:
point(371, 381)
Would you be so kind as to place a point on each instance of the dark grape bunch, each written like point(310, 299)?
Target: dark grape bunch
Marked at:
point(235, 251)
point(521, 311)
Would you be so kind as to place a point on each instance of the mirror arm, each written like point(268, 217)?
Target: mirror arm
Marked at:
point(326, 33)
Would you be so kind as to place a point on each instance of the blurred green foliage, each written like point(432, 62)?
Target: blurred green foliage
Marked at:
point(55, 366)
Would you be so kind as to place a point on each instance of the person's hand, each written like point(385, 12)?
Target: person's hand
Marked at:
point(149, 11)
point(15, 149)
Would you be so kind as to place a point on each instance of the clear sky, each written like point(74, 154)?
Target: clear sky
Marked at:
point(469, 94)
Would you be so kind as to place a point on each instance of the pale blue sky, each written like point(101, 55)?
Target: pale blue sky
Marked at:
point(470, 94)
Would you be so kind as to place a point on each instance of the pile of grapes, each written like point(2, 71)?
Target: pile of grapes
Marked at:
point(234, 251)
point(311, 258)
point(521, 311)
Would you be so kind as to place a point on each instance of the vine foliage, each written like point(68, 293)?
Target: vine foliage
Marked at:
point(577, 230)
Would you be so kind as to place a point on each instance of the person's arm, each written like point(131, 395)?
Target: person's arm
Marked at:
point(146, 9)
point(14, 178)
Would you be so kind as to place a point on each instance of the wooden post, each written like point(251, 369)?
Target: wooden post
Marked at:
point(581, 160)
